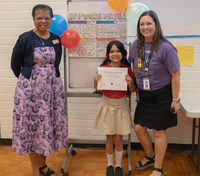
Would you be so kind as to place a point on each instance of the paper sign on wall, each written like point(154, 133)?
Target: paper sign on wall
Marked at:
point(185, 54)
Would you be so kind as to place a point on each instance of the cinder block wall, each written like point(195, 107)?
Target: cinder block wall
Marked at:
point(15, 18)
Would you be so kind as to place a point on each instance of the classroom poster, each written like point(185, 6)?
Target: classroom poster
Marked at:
point(185, 54)
point(96, 30)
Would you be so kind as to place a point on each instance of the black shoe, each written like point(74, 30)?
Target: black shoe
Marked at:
point(148, 164)
point(48, 173)
point(159, 170)
point(110, 171)
point(118, 171)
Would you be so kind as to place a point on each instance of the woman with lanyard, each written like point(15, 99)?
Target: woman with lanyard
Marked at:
point(157, 75)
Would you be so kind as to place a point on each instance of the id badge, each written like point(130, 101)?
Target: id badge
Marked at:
point(146, 84)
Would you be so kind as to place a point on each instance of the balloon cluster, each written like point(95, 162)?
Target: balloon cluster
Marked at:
point(133, 11)
point(68, 37)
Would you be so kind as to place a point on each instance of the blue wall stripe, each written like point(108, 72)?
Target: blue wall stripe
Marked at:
point(183, 36)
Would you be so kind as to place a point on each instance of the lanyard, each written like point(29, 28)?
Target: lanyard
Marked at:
point(147, 60)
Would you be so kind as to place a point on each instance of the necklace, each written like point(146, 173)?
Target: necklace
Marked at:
point(42, 40)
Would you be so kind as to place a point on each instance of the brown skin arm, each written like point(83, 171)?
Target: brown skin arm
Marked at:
point(130, 83)
point(97, 77)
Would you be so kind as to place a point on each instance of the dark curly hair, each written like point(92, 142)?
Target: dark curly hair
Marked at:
point(43, 7)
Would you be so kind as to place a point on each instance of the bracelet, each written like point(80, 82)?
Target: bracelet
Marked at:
point(176, 99)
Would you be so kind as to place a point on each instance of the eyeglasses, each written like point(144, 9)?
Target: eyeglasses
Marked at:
point(40, 19)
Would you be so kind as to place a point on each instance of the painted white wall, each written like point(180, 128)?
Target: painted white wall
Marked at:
point(15, 18)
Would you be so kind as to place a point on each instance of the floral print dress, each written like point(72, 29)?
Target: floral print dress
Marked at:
point(39, 117)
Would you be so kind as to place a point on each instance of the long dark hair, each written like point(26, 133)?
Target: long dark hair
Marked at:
point(157, 36)
point(121, 48)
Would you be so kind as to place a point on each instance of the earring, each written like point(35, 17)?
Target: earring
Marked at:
point(106, 55)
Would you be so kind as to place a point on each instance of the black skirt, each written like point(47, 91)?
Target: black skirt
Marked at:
point(152, 109)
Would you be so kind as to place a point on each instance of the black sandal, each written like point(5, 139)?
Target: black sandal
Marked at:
point(48, 173)
point(159, 170)
point(148, 164)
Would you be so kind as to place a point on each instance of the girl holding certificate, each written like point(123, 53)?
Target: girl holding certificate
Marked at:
point(157, 66)
point(113, 117)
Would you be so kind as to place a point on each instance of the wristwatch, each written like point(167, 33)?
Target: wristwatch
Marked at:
point(176, 99)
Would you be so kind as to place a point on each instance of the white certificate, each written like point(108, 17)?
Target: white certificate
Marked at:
point(112, 78)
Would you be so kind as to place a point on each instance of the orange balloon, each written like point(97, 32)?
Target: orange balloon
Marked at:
point(118, 5)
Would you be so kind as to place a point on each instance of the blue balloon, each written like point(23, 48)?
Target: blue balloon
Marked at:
point(58, 24)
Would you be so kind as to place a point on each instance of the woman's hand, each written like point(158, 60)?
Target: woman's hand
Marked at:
point(176, 106)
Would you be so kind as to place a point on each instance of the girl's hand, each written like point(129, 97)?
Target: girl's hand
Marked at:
point(130, 83)
point(128, 79)
point(97, 77)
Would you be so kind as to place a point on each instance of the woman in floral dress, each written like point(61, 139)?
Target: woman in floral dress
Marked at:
point(39, 117)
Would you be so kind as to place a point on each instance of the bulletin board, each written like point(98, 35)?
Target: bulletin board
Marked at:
point(97, 24)
point(96, 30)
